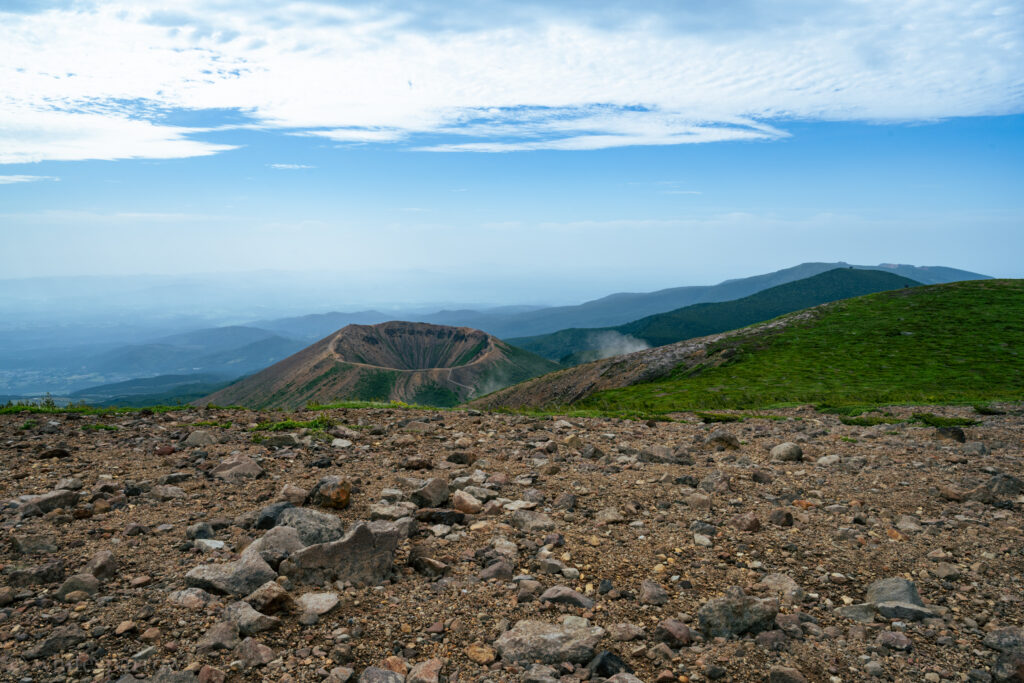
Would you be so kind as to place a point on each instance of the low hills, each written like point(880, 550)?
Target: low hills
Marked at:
point(411, 362)
point(225, 351)
point(958, 342)
point(574, 346)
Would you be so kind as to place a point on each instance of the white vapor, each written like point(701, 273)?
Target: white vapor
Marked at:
point(608, 344)
point(97, 78)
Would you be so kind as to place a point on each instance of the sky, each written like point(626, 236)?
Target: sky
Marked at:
point(514, 152)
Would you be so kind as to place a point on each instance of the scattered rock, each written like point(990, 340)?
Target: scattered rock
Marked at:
point(235, 469)
point(331, 492)
point(363, 555)
point(531, 640)
point(652, 593)
point(787, 452)
point(232, 578)
point(530, 521)
point(897, 598)
point(61, 639)
point(432, 494)
point(736, 613)
point(566, 596)
point(723, 439)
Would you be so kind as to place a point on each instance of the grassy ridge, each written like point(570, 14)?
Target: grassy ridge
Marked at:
point(956, 343)
point(574, 346)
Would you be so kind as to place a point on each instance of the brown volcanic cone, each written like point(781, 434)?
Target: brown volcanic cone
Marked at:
point(401, 361)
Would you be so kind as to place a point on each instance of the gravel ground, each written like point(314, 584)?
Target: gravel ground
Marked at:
point(693, 509)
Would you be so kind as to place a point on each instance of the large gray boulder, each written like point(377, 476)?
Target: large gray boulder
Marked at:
point(375, 674)
point(1008, 640)
point(232, 578)
point(897, 598)
point(530, 521)
point(530, 640)
point(200, 437)
point(61, 639)
point(247, 619)
point(736, 613)
point(235, 469)
point(276, 545)
point(433, 494)
point(60, 498)
point(787, 452)
point(723, 439)
point(313, 526)
point(363, 556)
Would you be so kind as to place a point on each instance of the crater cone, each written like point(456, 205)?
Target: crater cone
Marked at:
point(396, 361)
point(410, 346)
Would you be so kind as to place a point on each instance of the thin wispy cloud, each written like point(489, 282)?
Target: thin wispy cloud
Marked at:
point(96, 79)
point(12, 179)
point(291, 167)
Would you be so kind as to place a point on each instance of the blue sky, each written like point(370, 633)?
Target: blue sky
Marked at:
point(558, 150)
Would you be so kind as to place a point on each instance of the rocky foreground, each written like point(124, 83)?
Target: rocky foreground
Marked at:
point(458, 546)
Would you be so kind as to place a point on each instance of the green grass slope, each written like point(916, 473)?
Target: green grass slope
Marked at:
point(955, 343)
point(576, 346)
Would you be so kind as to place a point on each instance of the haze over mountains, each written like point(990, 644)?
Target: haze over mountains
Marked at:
point(80, 357)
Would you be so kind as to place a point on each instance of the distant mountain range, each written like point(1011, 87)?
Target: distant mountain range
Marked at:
point(67, 357)
point(615, 309)
point(574, 346)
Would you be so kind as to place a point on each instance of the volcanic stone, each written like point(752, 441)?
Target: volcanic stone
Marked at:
point(736, 613)
point(248, 620)
point(362, 556)
point(532, 640)
point(313, 526)
point(331, 492)
point(787, 452)
point(232, 578)
point(431, 495)
point(566, 596)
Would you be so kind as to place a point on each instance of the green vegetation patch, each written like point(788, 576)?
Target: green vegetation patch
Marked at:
point(933, 420)
point(434, 394)
point(988, 410)
point(321, 422)
point(97, 427)
point(870, 421)
point(374, 385)
point(29, 424)
point(718, 417)
point(946, 344)
point(335, 371)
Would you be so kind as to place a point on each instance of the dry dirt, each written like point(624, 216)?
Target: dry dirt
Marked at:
point(898, 501)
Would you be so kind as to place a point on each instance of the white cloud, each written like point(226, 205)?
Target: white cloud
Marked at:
point(30, 134)
point(291, 167)
point(11, 179)
point(92, 80)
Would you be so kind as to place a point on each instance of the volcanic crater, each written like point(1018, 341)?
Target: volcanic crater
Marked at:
point(395, 361)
